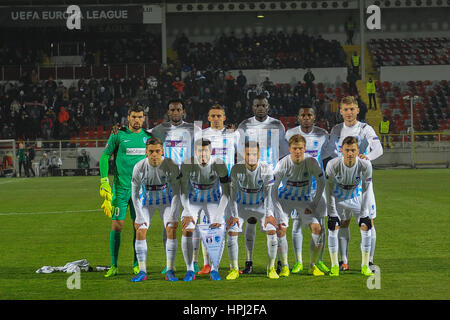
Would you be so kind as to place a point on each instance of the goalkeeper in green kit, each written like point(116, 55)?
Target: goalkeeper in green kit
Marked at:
point(128, 148)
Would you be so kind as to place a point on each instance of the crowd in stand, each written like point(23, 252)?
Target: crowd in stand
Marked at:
point(32, 46)
point(50, 110)
point(272, 50)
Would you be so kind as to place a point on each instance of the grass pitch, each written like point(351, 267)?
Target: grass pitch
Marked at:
point(52, 221)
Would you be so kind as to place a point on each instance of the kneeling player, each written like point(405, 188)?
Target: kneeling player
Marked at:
point(155, 187)
point(251, 184)
point(295, 173)
point(204, 187)
point(344, 200)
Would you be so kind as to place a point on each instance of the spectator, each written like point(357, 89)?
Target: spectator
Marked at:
point(362, 110)
point(385, 129)
point(309, 79)
point(241, 81)
point(371, 92)
point(29, 161)
point(44, 165)
point(22, 158)
point(355, 63)
point(83, 161)
point(349, 30)
point(351, 79)
point(55, 164)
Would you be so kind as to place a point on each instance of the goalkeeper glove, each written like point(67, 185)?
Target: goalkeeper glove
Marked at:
point(107, 208)
point(105, 189)
point(105, 193)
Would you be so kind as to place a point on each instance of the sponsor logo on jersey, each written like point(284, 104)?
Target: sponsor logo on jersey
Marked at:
point(312, 153)
point(297, 183)
point(135, 151)
point(175, 143)
point(126, 140)
point(219, 151)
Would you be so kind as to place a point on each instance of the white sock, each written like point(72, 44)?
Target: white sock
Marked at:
point(164, 237)
point(188, 249)
point(196, 244)
point(272, 246)
point(344, 239)
point(315, 245)
point(323, 238)
point(283, 245)
point(250, 235)
point(374, 241)
point(171, 253)
point(297, 239)
point(233, 250)
point(141, 254)
point(365, 247)
point(333, 246)
point(205, 254)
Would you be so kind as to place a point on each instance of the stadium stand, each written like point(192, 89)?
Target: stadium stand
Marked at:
point(410, 52)
point(431, 112)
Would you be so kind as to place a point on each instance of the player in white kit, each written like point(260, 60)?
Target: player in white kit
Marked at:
point(155, 187)
point(345, 199)
point(251, 184)
point(293, 191)
point(370, 148)
point(269, 133)
point(316, 141)
point(204, 187)
point(177, 137)
point(223, 145)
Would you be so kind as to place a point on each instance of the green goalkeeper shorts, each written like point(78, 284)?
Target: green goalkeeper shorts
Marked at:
point(120, 201)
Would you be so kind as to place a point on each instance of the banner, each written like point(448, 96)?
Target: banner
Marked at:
point(214, 241)
point(57, 16)
point(152, 14)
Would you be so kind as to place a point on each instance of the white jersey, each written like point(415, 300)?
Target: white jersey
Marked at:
point(316, 141)
point(202, 183)
point(177, 141)
point(368, 141)
point(270, 136)
point(154, 186)
point(223, 144)
point(294, 181)
point(342, 182)
point(252, 187)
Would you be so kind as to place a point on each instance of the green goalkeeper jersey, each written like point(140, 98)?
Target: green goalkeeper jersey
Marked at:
point(128, 148)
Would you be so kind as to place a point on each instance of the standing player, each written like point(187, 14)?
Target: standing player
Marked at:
point(177, 137)
point(316, 141)
point(251, 187)
point(293, 191)
point(269, 133)
point(155, 187)
point(204, 187)
point(224, 145)
point(370, 147)
point(344, 198)
point(128, 148)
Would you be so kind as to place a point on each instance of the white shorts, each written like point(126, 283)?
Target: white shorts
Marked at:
point(208, 210)
point(297, 210)
point(321, 210)
point(144, 215)
point(251, 211)
point(346, 209)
